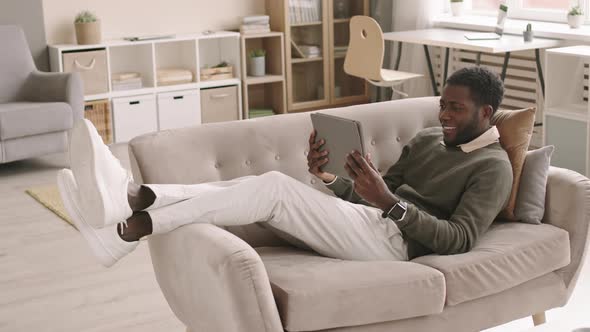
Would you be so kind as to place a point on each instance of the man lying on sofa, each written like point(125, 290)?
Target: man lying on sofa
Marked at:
point(441, 196)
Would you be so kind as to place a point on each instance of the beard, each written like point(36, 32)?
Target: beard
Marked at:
point(465, 133)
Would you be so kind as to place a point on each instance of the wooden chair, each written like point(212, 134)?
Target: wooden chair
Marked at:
point(364, 57)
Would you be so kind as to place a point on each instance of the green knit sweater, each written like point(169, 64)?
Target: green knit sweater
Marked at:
point(453, 196)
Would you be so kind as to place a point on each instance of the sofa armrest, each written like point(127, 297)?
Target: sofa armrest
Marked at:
point(56, 87)
point(213, 280)
point(567, 206)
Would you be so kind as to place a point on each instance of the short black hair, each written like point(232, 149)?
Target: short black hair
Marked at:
point(485, 86)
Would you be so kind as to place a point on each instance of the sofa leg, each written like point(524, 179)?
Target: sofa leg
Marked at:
point(539, 318)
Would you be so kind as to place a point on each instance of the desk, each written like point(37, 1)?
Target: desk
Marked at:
point(452, 38)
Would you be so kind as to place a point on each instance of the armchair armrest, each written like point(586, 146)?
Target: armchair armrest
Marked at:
point(56, 87)
point(213, 280)
point(567, 206)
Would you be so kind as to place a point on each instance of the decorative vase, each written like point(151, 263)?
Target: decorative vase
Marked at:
point(528, 36)
point(575, 21)
point(88, 33)
point(257, 66)
point(457, 8)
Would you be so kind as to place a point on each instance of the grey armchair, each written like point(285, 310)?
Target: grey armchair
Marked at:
point(36, 108)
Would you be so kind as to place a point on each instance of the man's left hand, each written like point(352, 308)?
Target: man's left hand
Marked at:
point(368, 183)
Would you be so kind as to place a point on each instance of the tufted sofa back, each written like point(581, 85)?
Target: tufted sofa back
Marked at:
point(222, 151)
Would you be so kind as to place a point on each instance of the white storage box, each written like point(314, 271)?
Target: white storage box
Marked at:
point(220, 104)
point(179, 109)
point(134, 116)
point(92, 66)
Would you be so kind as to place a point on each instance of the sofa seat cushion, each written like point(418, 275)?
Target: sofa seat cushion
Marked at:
point(507, 255)
point(314, 292)
point(27, 119)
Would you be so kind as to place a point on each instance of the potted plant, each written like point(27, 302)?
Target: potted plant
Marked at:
point(87, 28)
point(457, 7)
point(256, 61)
point(575, 17)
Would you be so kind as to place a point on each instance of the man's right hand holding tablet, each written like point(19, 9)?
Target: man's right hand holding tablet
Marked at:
point(316, 158)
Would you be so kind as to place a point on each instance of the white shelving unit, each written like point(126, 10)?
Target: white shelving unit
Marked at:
point(566, 120)
point(157, 107)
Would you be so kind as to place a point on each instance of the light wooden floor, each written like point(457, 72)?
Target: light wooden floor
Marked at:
point(50, 282)
point(48, 279)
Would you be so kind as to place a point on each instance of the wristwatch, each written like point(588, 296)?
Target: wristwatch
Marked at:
point(397, 212)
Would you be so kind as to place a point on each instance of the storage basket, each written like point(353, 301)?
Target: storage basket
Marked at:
point(99, 113)
point(92, 66)
point(219, 73)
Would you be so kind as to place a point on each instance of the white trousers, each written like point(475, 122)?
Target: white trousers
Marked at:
point(329, 225)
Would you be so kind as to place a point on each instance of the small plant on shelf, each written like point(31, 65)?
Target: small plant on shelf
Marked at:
point(256, 62)
point(256, 53)
point(87, 27)
point(222, 64)
point(85, 16)
point(575, 11)
point(575, 17)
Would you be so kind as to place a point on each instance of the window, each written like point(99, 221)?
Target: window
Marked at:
point(541, 10)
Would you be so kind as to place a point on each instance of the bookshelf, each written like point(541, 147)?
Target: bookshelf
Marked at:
point(263, 94)
point(316, 39)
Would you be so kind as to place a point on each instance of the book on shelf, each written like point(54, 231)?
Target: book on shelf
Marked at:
point(340, 50)
point(306, 51)
point(260, 112)
point(304, 11)
point(255, 24)
point(257, 19)
point(254, 31)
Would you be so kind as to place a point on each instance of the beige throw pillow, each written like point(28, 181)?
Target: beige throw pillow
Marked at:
point(515, 128)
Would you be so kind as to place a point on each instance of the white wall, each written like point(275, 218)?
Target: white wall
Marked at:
point(122, 18)
point(29, 16)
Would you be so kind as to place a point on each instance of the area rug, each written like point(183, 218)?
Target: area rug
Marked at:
point(48, 196)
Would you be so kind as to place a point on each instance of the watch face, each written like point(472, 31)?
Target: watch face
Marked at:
point(397, 212)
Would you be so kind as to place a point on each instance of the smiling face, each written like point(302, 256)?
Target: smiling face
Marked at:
point(462, 120)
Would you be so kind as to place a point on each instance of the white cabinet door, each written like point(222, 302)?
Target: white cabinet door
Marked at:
point(179, 109)
point(134, 116)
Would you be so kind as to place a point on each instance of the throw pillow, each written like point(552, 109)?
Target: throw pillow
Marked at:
point(530, 202)
point(515, 128)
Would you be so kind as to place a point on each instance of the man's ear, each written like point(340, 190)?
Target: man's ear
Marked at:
point(487, 111)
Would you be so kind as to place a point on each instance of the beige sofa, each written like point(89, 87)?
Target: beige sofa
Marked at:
point(251, 279)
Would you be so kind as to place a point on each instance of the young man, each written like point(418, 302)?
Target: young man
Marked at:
point(444, 192)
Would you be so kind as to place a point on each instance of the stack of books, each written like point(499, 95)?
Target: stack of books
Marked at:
point(255, 24)
point(127, 81)
point(310, 51)
point(340, 50)
point(304, 11)
point(260, 112)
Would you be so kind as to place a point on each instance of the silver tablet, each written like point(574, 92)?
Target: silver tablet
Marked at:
point(342, 136)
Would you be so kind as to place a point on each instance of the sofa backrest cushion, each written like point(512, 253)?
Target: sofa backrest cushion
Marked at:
point(16, 62)
point(222, 151)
